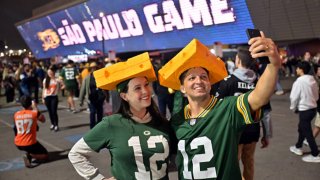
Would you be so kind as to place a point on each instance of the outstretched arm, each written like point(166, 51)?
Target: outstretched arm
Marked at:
point(260, 47)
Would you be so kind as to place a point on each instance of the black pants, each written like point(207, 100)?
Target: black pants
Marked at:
point(9, 94)
point(96, 113)
point(52, 106)
point(305, 130)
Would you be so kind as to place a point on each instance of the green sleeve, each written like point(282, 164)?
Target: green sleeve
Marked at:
point(98, 137)
point(243, 108)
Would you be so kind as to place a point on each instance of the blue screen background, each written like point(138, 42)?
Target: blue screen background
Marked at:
point(228, 33)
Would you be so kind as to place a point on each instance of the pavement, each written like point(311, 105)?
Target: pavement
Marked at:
point(275, 162)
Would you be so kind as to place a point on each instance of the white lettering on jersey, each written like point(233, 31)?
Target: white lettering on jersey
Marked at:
point(242, 85)
point(207, 156)
point(156, 173)
point(20, 126)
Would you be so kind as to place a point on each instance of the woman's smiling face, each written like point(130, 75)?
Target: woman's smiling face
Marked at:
point(139, 93)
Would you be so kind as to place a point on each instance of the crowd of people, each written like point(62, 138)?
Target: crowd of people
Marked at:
point(213, 117)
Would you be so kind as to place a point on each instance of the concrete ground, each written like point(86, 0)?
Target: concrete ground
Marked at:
point(273, 163)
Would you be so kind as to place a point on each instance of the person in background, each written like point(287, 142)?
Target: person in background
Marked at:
point(242, 80)
point(34, 82)
point(40, 73)
point(316, 128)
point(17, 75)
point(51, 87)
point(165, 98)
point(308, 58)
point(138, 137)
point(9, 83)
point(70, 77)
point(95, 96)
point(230, 66)
point(25, 127)
point(115, 98)
point(25, 80)
point(303, 100)
point(208, 129)
point(85, 71)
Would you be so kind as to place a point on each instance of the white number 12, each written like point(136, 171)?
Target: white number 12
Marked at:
point(142, 173)
point(197, 159)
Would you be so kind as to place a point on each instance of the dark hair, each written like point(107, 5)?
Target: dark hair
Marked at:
point(124, 108)
point(183, 75)
point(47, 81)
point(26, 101)
point(245, 56)
point(305, 66)
point(70, 62)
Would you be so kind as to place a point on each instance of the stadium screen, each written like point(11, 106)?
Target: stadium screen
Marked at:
point(136, 25)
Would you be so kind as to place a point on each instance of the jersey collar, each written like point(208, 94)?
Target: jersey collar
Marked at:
point(211, 104)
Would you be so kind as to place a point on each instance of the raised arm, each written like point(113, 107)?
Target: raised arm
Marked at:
point(259, 47)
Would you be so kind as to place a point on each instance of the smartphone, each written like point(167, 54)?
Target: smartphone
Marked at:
point(251, 33)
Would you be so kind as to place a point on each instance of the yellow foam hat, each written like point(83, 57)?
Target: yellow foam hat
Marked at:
point(109, 77)
point(195, 54)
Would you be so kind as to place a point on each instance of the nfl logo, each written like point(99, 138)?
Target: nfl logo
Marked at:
point(193, 121)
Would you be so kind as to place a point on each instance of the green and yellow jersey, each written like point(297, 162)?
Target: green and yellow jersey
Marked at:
point(208, 144)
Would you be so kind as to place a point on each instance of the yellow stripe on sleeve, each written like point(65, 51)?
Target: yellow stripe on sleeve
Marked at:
point(242, 109)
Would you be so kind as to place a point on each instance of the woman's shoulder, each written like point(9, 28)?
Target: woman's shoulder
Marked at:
point(113, 118)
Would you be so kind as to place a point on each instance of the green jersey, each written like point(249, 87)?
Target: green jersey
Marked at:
point(138, 151)
point(208, 144)
point(69, 75)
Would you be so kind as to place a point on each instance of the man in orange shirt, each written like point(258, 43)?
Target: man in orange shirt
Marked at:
point(25, 127)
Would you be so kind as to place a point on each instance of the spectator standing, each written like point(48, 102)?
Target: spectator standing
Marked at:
point(9, 83)
point(25, 80)
point(308, 58)
point(34, 82)
point(85, 71)
point(40, 74)
point(316, 128)
point(303, 100)
point(70, 76)
point(51, 87)
point(95, 96)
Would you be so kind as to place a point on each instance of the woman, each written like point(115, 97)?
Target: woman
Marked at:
point(137, 137)
point(51, 86)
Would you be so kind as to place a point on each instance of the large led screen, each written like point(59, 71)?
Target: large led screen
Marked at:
point(136, 25)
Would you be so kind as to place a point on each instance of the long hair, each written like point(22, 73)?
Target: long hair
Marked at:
point(153, 109)
point(47, 82)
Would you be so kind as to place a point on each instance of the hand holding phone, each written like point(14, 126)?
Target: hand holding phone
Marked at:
point(251, 33)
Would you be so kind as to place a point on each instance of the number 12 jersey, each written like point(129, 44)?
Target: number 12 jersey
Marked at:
point(208, 144)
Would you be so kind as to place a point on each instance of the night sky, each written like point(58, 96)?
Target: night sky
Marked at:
point(11, 12)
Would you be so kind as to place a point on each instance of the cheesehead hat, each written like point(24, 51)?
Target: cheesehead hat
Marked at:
point(109, 77)
point(195, 54)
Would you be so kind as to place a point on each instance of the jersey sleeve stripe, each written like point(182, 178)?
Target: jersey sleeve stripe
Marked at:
point(242, 109)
